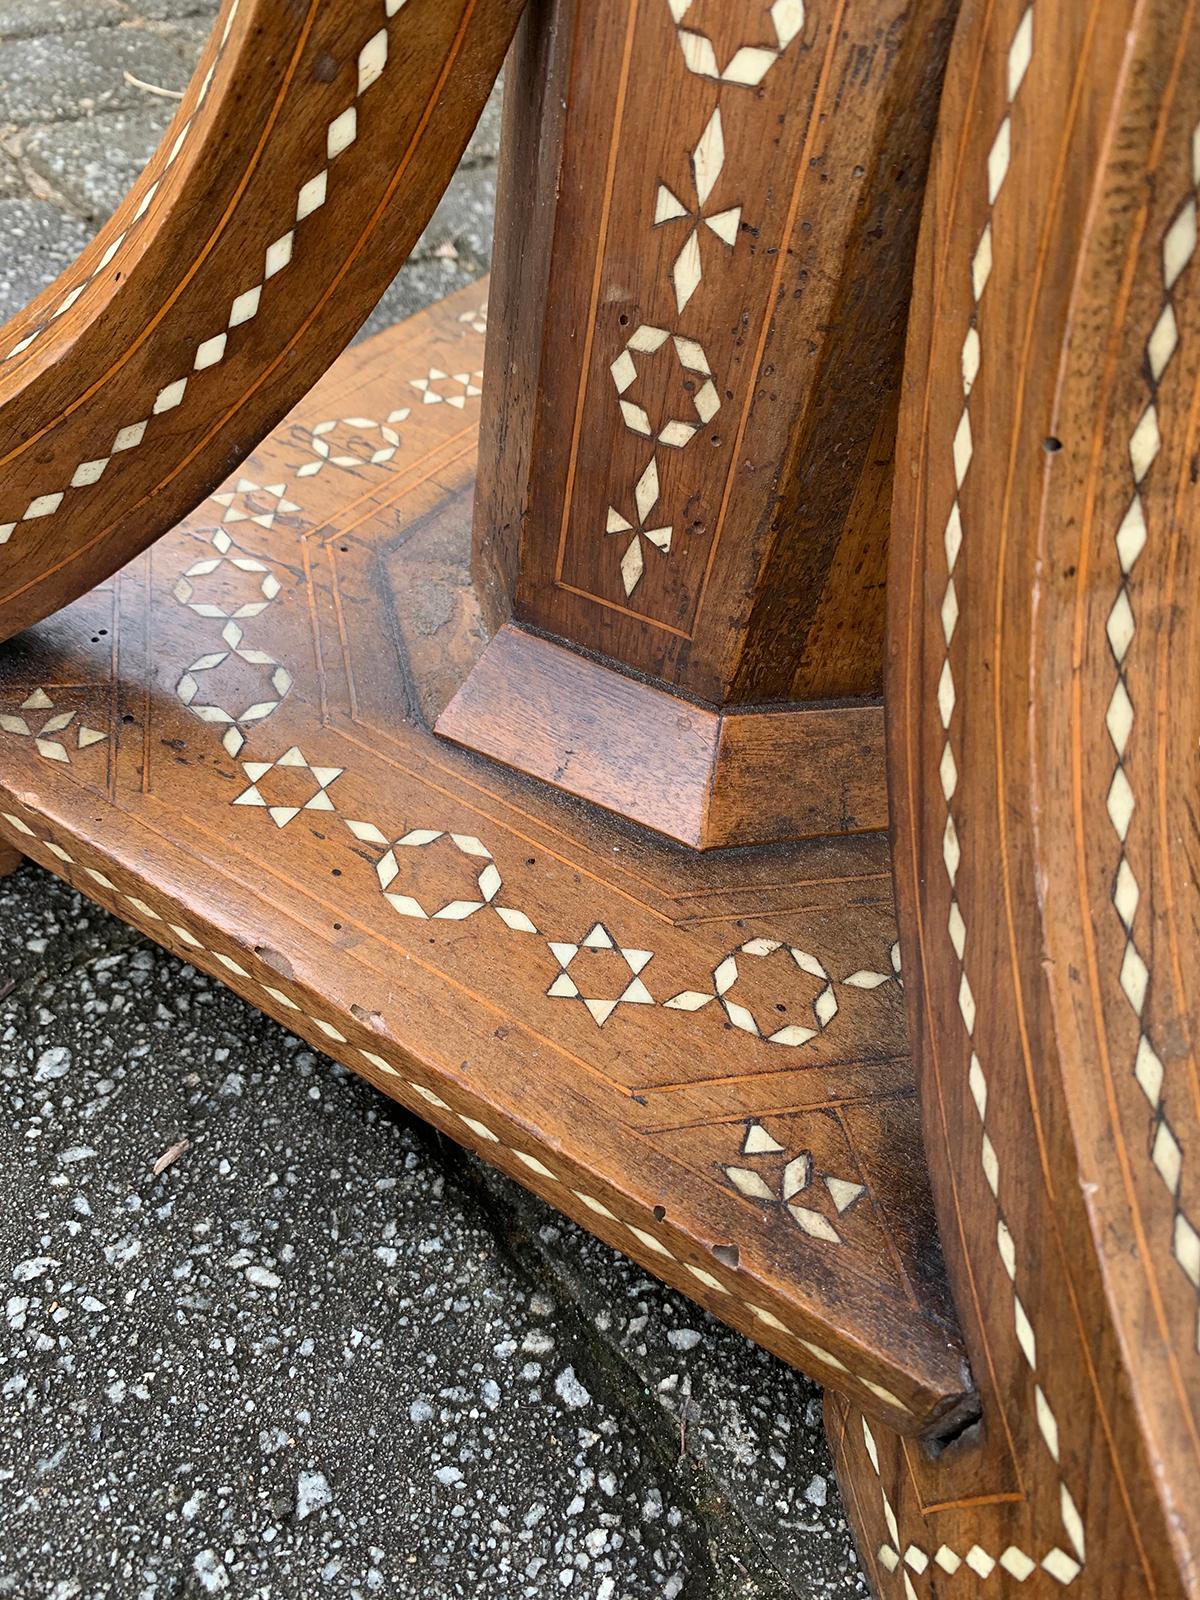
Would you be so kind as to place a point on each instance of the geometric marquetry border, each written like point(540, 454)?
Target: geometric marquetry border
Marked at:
point(1012, 1252)
point(478, 1131)
point(338, 136)
point(1120, 800)
point(109, 253)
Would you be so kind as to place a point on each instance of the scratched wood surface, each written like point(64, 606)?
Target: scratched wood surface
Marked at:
point(1045, 763)
point(309, 151)
point(694, 774)
point(702, 1058)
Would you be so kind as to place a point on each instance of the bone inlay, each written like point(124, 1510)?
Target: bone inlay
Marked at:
point(244, 306)
point(55, 732)
point(751, 61)
point(111, 250)
point(354, 442)
point(446, 885)
point(900, 1555)
point(710, 217)
point(570, 983)
point(1120, 801)
point(772, 1175)
point(645, 1236)
point(708, 161)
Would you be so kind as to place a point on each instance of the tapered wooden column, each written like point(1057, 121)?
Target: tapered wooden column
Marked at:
point(706, 228)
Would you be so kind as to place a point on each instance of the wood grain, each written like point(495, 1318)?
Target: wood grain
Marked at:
point(704, 242)
point(704, 778)
point(798, 772)
point(701, 1057)
point(305, 159)
point(703, 1054)
point(1044, 766)
point(705, 236)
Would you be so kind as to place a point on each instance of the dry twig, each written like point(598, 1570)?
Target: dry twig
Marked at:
point(152, 88)
point(170, 1156)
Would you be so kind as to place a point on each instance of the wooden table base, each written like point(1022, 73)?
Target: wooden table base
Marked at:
point(703, 1059)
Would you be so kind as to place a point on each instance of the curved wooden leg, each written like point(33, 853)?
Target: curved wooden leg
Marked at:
point(309, 152)
point(1042, 767)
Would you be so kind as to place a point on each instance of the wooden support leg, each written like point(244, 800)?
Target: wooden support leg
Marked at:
point(306, 156)
point(703, 257)
point(702, 1057)
point(10, 859)
point(1043, 715)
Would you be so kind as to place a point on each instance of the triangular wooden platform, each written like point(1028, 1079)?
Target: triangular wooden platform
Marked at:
point(702, 1058)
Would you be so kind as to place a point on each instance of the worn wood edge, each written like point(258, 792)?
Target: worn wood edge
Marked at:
point(705, 778)
point(798, 772)
point(136, 888)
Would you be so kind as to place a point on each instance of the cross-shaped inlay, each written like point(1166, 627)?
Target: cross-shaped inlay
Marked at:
point(782, 1179)
point(476, 320)
point(645, 496)
point(707, 161)
point(47, 726)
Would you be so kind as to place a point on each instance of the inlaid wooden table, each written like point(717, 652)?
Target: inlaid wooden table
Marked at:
point(519, 739)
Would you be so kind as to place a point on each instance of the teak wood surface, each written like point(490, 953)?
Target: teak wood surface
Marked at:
point(702, 1059)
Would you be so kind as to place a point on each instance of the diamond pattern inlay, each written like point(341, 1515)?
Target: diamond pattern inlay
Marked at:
point(244, 304)
point(1121, 628)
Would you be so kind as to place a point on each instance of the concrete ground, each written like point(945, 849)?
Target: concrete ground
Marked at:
point(324, 1352)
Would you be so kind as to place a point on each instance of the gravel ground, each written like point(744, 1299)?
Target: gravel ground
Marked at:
point(322, 1351)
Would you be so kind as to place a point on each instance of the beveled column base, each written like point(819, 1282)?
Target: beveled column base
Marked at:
point(701, 776)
